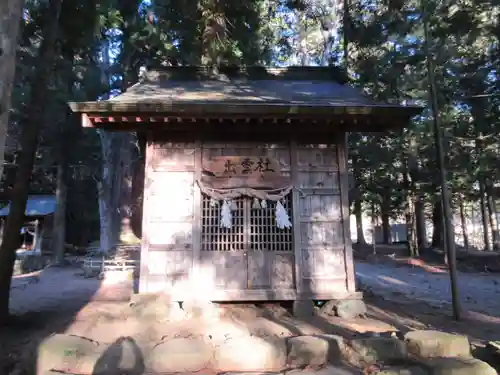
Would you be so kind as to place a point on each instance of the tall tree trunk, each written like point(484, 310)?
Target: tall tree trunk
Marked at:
point(386, 227)
point(463, 221)
point(10, 21)
point(421, 226)
point(374, 228)
point(492, 211)
point(437, 223)
point(411, 227)
point(59, 227)
point(484, 216)
point(358, 213)
point(28, 142)
point(418, 200)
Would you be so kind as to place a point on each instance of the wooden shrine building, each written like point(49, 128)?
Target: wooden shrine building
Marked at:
point(245, 193)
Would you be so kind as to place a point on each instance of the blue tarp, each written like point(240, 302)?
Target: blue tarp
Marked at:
point(37, 205)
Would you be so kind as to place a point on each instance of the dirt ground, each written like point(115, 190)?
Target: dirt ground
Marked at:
point(62, 301)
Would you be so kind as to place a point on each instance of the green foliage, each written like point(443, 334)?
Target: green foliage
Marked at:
point(386, 59)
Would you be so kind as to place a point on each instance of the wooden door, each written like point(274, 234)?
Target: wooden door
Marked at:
point(254, 255)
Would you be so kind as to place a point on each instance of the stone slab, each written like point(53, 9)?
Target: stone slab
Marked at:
point(433, 344)
point(306, 351)
point(459, 366)
point(180, 355)
point(314, 350)
point(67, 352)
point(379, 349)
point(250, 353)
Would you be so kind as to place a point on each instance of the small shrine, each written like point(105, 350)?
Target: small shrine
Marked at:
point(246, 182)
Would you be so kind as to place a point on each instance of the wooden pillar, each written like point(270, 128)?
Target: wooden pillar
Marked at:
point(195, 271)
point(296, 219)
point(344, 196)
point(37, 240)
point(143, 268)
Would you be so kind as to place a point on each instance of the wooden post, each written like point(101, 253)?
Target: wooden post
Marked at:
point(35, 238)
point(296, 219)
point(195, 271)
point(344, 191)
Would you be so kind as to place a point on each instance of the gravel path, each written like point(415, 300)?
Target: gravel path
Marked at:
point(58, 288)
point(478, 291)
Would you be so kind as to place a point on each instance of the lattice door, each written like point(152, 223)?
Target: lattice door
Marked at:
point(254, 243)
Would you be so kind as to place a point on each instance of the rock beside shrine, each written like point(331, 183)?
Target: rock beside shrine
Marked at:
point(314, 351)
point(250, 353)
point(379, 349)
point(350, 308)
point(62, 352)
point(432, 344)
point(345, 309)
point(460, 366)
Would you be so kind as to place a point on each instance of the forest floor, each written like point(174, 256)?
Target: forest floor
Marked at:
point(415, 296)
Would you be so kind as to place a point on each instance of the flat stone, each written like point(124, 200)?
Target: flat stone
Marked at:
point(399, 370)
point(328, 370)
point(67, 352)
point(250, 353)
point(180, 355)
point(314, 350)
point(379, 349)
point(306, 351)
point(460, 366)
point(432, 344)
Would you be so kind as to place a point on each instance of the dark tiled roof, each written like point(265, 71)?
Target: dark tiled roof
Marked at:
point(180, 89)
point(157, 87)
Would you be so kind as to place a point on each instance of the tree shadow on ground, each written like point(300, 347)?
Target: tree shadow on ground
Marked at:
point(409, 315)
point(123, 357)
point(36, 318)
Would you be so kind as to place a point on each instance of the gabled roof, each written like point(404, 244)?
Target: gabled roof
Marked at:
point(251, 91)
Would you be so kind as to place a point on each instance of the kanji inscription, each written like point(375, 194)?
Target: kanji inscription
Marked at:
point(241, 166)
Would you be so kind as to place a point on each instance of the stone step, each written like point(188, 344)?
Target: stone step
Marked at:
point(434, 344)
point(459, 366)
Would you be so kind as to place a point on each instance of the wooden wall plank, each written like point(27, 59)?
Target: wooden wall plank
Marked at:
point(168, 214)
point(321, 230)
